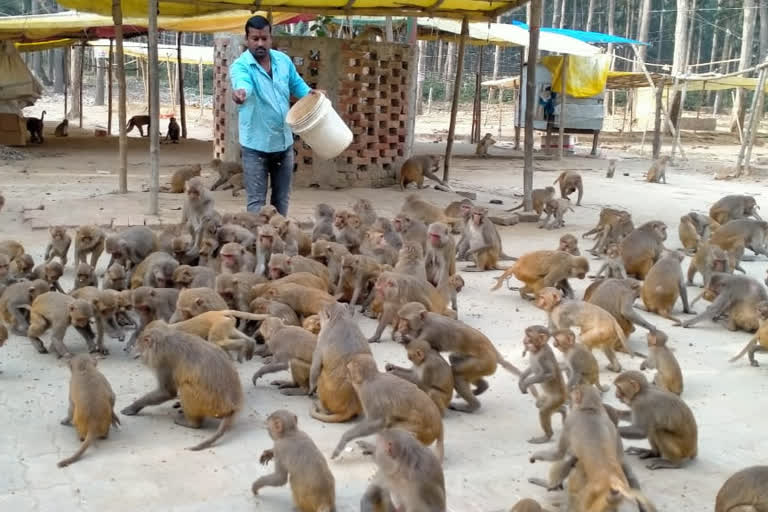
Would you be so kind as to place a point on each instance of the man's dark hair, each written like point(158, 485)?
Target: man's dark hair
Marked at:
point(258, 23)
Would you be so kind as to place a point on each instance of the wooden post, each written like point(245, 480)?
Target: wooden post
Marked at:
point(519, 102)
point(171, 88)
point(182, 105)
point(561, 121)
point(66, 81)
point(530, 102)
point(154, 110)
point(657, 120)
point(117, 18)
point(455, 101)
point(80, 71)
point(676, 143)
point(109, 89)
point(200, 84)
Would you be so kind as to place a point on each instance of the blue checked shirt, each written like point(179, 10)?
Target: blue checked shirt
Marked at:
point(262, 116)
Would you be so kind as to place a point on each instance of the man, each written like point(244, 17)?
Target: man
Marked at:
point(263, 80)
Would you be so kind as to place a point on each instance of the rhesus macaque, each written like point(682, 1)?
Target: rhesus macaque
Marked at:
point(35, 128)
point(291, 348)
point(227, 233)
point(570, 181)
point(225, 170)
point(58, 245)
point(85, 276)
point(156, 270)
point(208, 253)
point(612, 227)
point(688, 234)
point(91, 404)
point(55, 311)
point(364, 209)
point(738, 296)
point(539, 198)
point(416, 168)
point(410, 261)
point(62, 129)
point(556, 208)
point(15, 302)
point(130, 246)
point(218, 327)
point(612, 266)
point(661, 417)
point(540, 269)
point(545, 371)
point(580, 365)
point(482, 147)
point(194, 301)
point(302, 299)
point(484, 242)
point(759, 342)
point(663, 284)
point(268, 243)
point(263, 306)
point(198, 373)
point(739, 234)
point(658, 171)
point(347, 229)
point(668, 377)
point(440, 259)
point(105, 306)
point(281, 265)
point(708, 259)
point(357, 271)
point(24, 267)
point(51, 272)
point(324, 216)
point(139, 122)
point(198, 205)
point(744, 489)
point(152, 304)
point(611, 168)
point(411, 229)
point(417, 208)
point(387, 229)
point(89, 240)
point(312, 324)
point(11, 248)
point(296, 241)
point(174, 132)
point(186, 276)
point(233, 258)
point(180, 177)
point(734, 207)
point(430, 372)
point(570, 244)
point(642, 248)
point(329, 254)
point(299, 462)
point(617, 297)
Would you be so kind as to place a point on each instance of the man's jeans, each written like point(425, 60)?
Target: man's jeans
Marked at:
point(257, 165)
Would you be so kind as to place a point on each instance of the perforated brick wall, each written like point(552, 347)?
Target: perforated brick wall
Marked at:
point(222, 56)
point(368, 84)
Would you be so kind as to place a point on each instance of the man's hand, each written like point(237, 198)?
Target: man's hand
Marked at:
point(318, 91)
point(239, 96)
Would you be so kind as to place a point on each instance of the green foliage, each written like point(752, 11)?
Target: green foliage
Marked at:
point(320, 26)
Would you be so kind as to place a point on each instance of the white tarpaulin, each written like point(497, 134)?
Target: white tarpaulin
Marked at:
point(165, 52)
point(18, 88)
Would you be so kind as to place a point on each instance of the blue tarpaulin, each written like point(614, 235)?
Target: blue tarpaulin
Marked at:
point(581, 35)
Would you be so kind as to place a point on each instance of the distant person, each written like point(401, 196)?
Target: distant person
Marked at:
point(263, 81)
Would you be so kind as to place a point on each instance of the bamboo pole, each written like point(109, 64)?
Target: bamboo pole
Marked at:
point(530, 102)
point(171, 88)
point(80, 72)
point(657, 123)
point(109, 89)
point(154, 110)
point(455, 101)
point(200, 84)
point(182, 105)
point(561, 121)
point(117, 17)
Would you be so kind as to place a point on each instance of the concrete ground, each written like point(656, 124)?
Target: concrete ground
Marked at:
point(144, 465)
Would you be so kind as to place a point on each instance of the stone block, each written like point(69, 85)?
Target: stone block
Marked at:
point(503, 218)
point(469, 195)
point(528, 217)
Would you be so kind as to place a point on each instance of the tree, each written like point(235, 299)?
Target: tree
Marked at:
point(496, 62)
point(555, 13)
point(74, 70)
point(680, 57)
point(747, 37)
point(763, 30)
point(590, 14)
point(642, 31)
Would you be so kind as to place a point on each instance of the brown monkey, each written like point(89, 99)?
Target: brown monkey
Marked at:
point(612, 227)
point(174, 132)
point(89, 240)
point(218, 327)
point(668, 377)
point(35, 128)
point(5, 273)
point(389, 401)
point(268, 243)
point(276, 309)
point(410, 261)
point(208, 253)
point(473, 355)
point(3, 335)
point(580, 365)
point(91, 404)
point(457, 209)
point(387, 229)
point(417, 208)
point(348, 230)
point(570, 181)
point(11, 248)
point(376, 246)
point(156, 270)
point(299, 462)
point(357, 272)
point(340, 340)
point(51, 272)
point(194, 301)
point(225, 170)
point(759, 342)
point(281, 265)
point(296, 241)
point(15, 302)
point(545, 371)
point(540, 269)
point(329, 254)
point(734, 207)
point(570, 244)
point(617, 297)
point(744, 490)
point(180, 177)
point(430, 372)
point(598, 327)
point(114, 278)
point(738, 296)
point(56, 311)
point(411, 230)
point(643, 247)
point(186, 276)
point(85, 276)
point(152, 304)
point(613, 266)
point(660, 416)
point(704, 224)
point(484, 242)
point(201, 375)
point(611, 168)
point(139, 122)
point(527, 505)
point(62, 129)
point(364, 209)
point(416, 168)
point(658, 171)
point(301, 278)
point(556, 208)
point(440, 258)
point(323, 229)
point(291, 348)
point(105, 306)
point(226, 233)
point(58, 245)
point(707, 259)
point(486, 142)
point(24, 267)
point(689, 237)
point(539, 198)
point(236, 183)
point(312, 324)
point(199, 204)
point(233, 258)
point(664, 283)
point(249, 220)
point(302, 299)
point(130, 246)
point(739, 234)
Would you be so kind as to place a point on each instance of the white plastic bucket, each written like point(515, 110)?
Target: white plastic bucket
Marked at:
point(319, 125)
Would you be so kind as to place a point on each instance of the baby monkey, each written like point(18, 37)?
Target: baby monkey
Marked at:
point(580, 365)
point(658, 171)
point(669, 376)
point(613, 266)
point(556, 207)
point(482, 147)
point(430, 372)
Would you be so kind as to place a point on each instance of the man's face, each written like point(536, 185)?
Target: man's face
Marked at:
point(259, 41)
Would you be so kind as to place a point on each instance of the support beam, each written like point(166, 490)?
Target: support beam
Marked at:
point(530, 102)
point(455, 101)
point(154, 110)
point(182, 106)
point(117, 18)
point(109, 89)
point(80, 72)
point(657, 122)
point(519, 102)
point(561, 121)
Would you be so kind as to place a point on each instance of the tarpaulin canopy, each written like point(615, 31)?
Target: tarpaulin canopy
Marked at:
point(583, 35)
point(586, 76)
point(503, 34)
point(475, 9)
point(45, 45)
point(18, 88)
point(165, 52)
point(711, 82)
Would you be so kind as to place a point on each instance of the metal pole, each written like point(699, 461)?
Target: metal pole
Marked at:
point(154, 110)
point(117, 17)
point(530, 102)
point(455, 101)
point(182, 106)
point(561, 121)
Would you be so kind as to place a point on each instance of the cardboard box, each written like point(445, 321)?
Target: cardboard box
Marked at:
point(13, 130)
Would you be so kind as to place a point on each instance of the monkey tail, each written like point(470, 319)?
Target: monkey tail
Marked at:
point(79, 453)
point(622, 337)
point(224, 425)
point(516, 207)
point(503, 277)
point(744, 350)
point(247, 316)
point(505, 257)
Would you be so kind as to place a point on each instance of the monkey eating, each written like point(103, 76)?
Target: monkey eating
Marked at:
point(416, 168)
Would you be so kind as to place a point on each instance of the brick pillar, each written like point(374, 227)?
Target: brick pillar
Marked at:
point(226, 147)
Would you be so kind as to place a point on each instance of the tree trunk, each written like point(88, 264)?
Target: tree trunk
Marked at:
point(680, 56)
point(611, 22)
point(642, 31)
point(496, 62)
point(747, 33)
point(420, 77)
point(725, 55)
point(60, 70)
point(74, 73)
point(590, 14)
point(555, 13)
point(101, 65)
point(562, 13)
point(440, 69)
point(763, 29)
point(450, 69)
point(573, 17)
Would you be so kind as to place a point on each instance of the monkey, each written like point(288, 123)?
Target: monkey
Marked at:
point(155, 270)
point(210, 223)
point(89, 240)
point(249, 220)
point(24, 268)
point(613, 266)
point(235, 183)
point(299, 462)
point(556, 207)
point(105, 307)
point(261, 287)
point(130, 246)
point(329, 254)
point(91, 404)
point(174, 133)
point(180, 177)
point(486, 142)
point(35, 128)
point(323, 229)
point(570, 181)
point(312, 324)
point(201, 375)
point(736, 295)
point(114, 278)
point(612, 227)
point(62, 129)
point(387, 230)
point(281, 265)
point(484, 242)
point(340, 340)
point(473, 356)
point(364, 209)
point(357, 272)
point(734, 207)
point(416, 168)
point(208, 253)
point(429, 371)
point(5, 273)
point(139, 122)
point(278, 310)
point(292, 349)
point(302, 299)
point(269, 242)
point(658, 171)
point(3, 335)
point(15, 302)
point(186, 276)
point(539, 198)
point(544, 371)
point(58, 245)
point(642, 248)
point(218, 327)
point(56, 311)
point(228, 233)
point(407, 473)
point(440, 259)
point(389, 401)
point(11, 248)
point(417, 208)
point(233, 258)
point(739, 234)
point(743, 490)
point(707, 259)
point(704, 224)
point(580, 364)
point(411, 230)
point(267, 212)
point(617, 297)
point(194, 301)
point(410, 261)
point(348, 230)
point(611, 168)
point(152, 304)
point(296, 241)
point(661, 417)
point(457, 208)
point(198, 205)
point(688, 234)
point(570, 244)
point(668, 377)
point(599, 328)
point(375, 245)
point(759, 342)
point(540, 269)
point(85, 276)
point(50, 272)
point(663, 284)
point(226, 170)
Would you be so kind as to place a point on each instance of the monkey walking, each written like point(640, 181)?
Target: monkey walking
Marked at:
point(35, 128)
point(138, 122)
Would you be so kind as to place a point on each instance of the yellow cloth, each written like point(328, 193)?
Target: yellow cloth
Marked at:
point(586, 74)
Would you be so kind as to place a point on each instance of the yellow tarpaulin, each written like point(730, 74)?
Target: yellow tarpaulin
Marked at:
point(45, 45)
point(586, 74)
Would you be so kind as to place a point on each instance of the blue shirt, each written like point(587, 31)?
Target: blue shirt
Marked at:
point(262, 116)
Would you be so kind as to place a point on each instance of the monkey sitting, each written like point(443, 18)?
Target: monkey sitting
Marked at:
point(62, 129)
point(611, 168)
point(174, 131)
point(658, 171)
point(482, 147)
point(138, 122)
